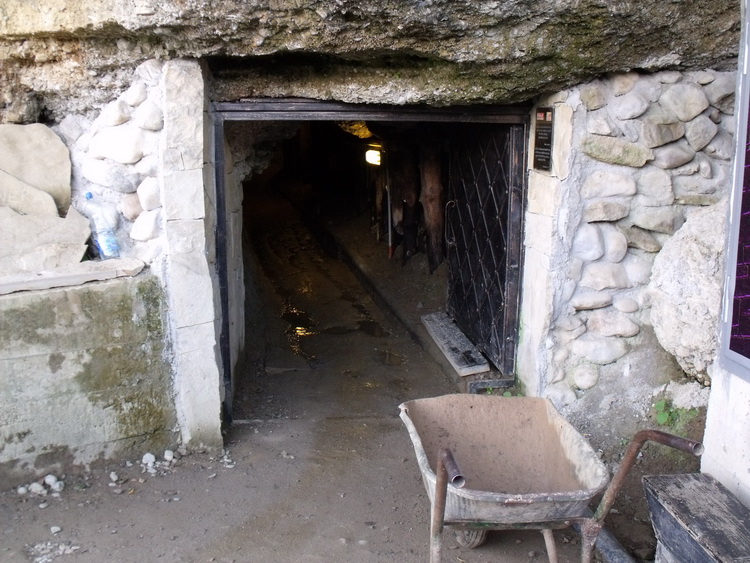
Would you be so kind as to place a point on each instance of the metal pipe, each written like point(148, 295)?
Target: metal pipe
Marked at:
point(390, 211)
point(446, 472)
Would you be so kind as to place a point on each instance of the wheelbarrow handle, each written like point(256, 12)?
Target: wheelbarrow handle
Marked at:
point(447, 472)
point(590, 527)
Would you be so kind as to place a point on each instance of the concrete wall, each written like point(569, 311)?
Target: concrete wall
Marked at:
point(84, 374)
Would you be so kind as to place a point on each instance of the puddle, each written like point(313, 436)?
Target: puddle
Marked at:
point(372, 328)
point(388, 358)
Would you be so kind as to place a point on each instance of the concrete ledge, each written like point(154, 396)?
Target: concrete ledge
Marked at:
point(67, 276)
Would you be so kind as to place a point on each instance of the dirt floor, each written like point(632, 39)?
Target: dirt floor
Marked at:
point(317, 465)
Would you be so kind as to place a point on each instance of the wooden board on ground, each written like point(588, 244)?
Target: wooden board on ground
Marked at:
point(460, 352)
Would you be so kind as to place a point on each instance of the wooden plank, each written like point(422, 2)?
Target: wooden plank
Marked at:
point(460, 352)
point(697, 519)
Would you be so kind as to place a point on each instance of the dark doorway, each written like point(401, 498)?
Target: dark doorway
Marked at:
point(482, 156)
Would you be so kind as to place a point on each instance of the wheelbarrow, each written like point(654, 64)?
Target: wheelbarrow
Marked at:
point(499, 463)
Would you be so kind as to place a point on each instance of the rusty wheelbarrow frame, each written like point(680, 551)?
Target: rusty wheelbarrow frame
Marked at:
point(481, 510)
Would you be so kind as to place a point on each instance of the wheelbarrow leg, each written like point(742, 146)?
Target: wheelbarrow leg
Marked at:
point(447, 471)
point(549, 542)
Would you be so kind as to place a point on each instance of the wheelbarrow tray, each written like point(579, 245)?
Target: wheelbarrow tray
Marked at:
point(522, 461)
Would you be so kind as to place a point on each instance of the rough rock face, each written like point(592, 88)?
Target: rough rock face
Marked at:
point(686, 287)
point(438, 51)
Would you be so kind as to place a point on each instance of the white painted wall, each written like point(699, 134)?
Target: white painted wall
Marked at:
point(727, 436)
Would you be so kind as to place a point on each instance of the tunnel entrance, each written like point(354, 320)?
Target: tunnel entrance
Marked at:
point(449, 184)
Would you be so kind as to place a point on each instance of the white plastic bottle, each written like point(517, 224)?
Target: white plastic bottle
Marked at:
point(104, 222)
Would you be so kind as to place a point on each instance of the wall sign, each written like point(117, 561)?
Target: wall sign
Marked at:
point(543, 139)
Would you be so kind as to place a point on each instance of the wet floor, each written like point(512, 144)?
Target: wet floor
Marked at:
point(317, 467)
point(322, 392)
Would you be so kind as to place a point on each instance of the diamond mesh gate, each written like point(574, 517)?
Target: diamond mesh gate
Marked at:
point(483, 228)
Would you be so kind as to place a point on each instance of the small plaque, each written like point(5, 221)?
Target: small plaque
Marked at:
point(543, 139)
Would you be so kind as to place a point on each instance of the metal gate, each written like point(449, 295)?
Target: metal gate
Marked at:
point(484, 217)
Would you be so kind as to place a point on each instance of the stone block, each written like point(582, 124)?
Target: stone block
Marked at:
point(587, 243)
point(599, 350)
point(563, 140)
point(136, 94)
point(199, 397)
point(130, 206)
point(589, 300)
point(615, 243)
point(611, 323)
point(149, 194)
point(184, 115)
point(629, 106)
point(658, 219)
point(543, 191)
point(593, 96)
point(721, 146)
point(539, 231)
point(721, 92)
point(146, 226)
point(658, 134)
point(190, 289)
point(114, 113)
point(641, 239)
point(585, 376)
point(184, 237)
point(195, 338)
point(149, 116)
point(183, 195)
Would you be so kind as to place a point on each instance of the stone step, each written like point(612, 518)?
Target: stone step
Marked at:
point(459, 351)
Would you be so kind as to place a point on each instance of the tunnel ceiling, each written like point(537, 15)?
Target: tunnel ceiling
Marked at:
point(439, 52)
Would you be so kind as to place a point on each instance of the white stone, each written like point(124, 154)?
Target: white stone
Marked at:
point(623, 83)
point(588, 300)
point(625, 304)
point(148, 165)
point(587, 243)
point(673, 155)
point(35, 155)
point(668, 76)
point(585, 376)
point(654, 188)
point(108, 174)
point(608, 183)
point(599, 123)
point(136, 94)
point(599, 350)
point(50, 479)
point(114, 113)
point(629, 106)
point(721, 146)
point(146, 226)
point(123, 144)
point(605, 209)
point(685, 100)
point(720, 92)
point(184, 121)
point(22, 490)
point(615, 243)
point(149, 116)
point(72, 127)
point(604, 275)
point(168, 455)
point(593, 95)
point(641, 239)
point(148, 459)
point(611, 323)
point(658, 219)
point(638, 266)
point(149, 194)
point(37, 489)
point(58, 486)
point(54, 530)
point(686, 290)
point(560, 394)
point(150, 72)
point(130, 206)
point(700, 131)
point(113, 476)
point(658, 134)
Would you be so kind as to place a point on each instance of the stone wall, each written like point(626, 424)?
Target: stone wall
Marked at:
point(85, 374)
point(608, 285)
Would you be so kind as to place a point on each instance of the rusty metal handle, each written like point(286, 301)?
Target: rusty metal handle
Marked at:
point(591, 527)
point(447, 471)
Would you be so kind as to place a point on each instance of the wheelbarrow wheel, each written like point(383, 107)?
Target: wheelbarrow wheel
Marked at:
point(471, 538)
